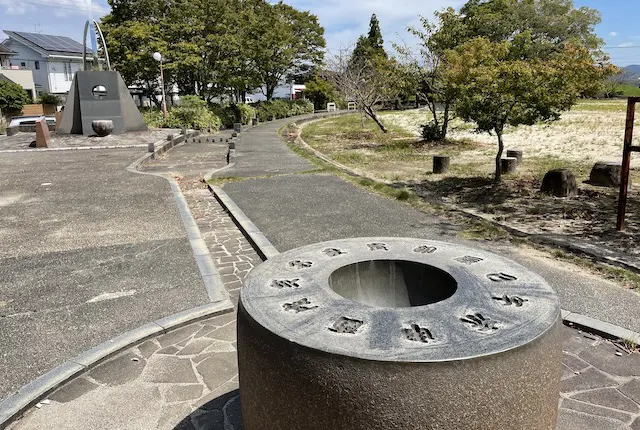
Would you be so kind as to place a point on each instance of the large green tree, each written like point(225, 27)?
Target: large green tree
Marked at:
point(211, 47)
point(369, 47)
point(282, 40)
point(551, 23)
point(497, 87)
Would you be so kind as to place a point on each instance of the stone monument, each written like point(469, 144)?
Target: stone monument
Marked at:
point(99, 95)
point(397, 333)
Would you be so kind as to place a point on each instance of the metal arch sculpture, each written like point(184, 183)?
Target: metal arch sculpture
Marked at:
point(95, 53)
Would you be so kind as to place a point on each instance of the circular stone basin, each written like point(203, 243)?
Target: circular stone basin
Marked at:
point(379, 333)
point(392, 283)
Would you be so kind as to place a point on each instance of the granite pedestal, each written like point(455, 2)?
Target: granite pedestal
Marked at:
point(380, 333)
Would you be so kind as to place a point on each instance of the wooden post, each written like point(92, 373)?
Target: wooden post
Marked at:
point(626, 162)
point(508, 165)
point(440, 164)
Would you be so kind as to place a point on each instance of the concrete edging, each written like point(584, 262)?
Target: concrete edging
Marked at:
point(258, 240)
point(212, 281)
point(28, 395)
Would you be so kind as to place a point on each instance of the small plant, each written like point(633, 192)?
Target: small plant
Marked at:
point(403, 195)
point(431, 132)
point(630, 344)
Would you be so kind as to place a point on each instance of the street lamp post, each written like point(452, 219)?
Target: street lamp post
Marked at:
point(158, 57)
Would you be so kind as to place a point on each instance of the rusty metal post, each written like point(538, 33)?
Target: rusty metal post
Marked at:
point(626, 162)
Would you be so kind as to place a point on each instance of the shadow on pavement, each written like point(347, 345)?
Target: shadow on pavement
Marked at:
point(220, 413)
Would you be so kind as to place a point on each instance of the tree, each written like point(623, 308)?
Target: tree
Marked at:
point(371, 46)
point(284, 39)
point(367, 82)
point(12, 97)
point(497, 87)
point(320, 92)
point(425, 71)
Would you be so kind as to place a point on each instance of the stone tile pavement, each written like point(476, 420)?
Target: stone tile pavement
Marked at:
point(187, 379)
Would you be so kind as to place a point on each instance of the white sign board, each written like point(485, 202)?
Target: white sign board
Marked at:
point(331, 107)
point(352, 106)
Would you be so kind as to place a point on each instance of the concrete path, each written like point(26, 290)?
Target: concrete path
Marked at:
point(87, 251)
point(293, 210)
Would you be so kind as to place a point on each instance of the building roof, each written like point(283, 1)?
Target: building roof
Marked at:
point(5, 51)
point(51, 44)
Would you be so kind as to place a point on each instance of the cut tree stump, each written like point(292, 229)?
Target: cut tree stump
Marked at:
point(560, 183)
point(509, 165)
point(516, 153)
point(606, 174)
point(441, 164)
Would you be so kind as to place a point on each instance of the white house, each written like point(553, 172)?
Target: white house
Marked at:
point(16, 74)
point(282, 91)
point(52, 59)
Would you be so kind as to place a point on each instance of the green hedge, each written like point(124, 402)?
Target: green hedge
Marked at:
point(278, 109)
point(193, 112)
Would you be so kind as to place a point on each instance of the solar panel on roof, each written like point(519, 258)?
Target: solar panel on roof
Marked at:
point(52, 43)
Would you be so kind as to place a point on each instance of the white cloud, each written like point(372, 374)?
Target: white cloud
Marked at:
point(625, 45)
point(16, 8)
point(59, 8)
point(344, 20)
point(613, 34)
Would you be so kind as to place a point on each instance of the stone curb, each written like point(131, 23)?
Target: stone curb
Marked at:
point(260, 243)
point(27, 396)
point(75, 148)
point(212, 280)
point(576, 249)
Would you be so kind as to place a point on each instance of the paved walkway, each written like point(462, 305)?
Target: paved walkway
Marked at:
point(187, 379)
point(293, 210)
point(87, 252)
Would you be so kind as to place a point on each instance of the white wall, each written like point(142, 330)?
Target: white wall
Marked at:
point(59, 81)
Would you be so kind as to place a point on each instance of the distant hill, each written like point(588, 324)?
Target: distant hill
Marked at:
point(632, 70)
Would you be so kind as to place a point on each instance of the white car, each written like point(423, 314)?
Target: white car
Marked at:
point(31, 120)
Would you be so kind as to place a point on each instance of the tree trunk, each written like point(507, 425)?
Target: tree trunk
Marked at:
point(371, 114)
point(270, 90)
point(445, 122)
point(498, 174)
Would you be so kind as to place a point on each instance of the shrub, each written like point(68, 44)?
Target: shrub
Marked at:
point(48, 99)
point(225, 113)
point(279, 109)
point(153, 118)
point(12, 97)
point(244, 113)
point(431, 132)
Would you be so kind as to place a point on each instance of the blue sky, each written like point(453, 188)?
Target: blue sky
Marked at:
point(343, 20)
